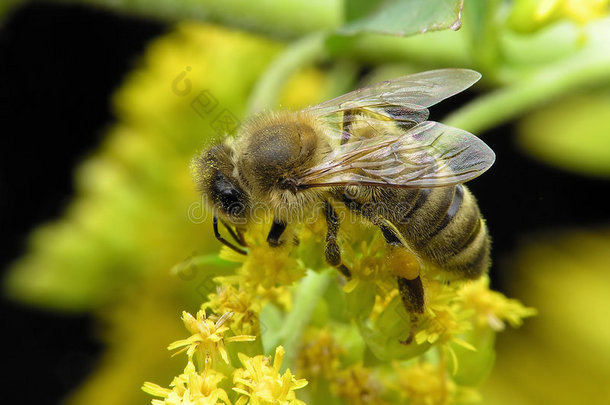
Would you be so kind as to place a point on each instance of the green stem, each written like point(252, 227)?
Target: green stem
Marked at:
point(582, 70)
point(307, 295)
point(300, 53)
point(321, 393)
point(481, 26)
point(434, 49)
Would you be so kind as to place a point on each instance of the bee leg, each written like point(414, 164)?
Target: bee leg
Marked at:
point(412, 295)
point(332, 252)
point(277, 228)
point(235, 234)
point(223, 240)
point(410, 285)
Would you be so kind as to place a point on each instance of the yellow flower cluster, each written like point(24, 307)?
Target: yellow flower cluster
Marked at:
point(319, 356)
point(531, 15)
point(207, 337)
point(265, 274)
point(445, 320)
point(580, 11)
point(259, 382)
point(366, 363)
point(244, 308)
point(189, 388)
point(452, 309)
point(256, 382)
point(414, 382)
point(424, 383)
point(359, 385)
point(492, 308)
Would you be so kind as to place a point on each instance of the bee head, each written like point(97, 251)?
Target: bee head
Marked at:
point(213, 172)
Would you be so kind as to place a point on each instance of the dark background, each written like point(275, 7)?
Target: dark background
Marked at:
point(52, 114)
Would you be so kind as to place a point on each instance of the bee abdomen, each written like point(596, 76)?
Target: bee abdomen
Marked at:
point(448, 230)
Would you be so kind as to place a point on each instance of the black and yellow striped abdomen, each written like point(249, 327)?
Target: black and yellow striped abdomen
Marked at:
point(441, 225)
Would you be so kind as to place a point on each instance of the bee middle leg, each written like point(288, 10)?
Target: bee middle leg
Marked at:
point(332, 252)
point(410, 285)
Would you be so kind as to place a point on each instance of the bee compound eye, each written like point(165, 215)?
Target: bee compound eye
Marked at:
point(228, 197)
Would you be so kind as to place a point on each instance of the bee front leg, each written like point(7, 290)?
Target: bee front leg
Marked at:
point(277, 229)
point(223, 240)
point(332, 252)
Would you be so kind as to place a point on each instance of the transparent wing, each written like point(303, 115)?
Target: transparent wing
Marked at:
point(428, 155)
point(403, 99)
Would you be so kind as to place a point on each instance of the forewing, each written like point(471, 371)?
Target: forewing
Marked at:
point(428, 155)
point(402, 99)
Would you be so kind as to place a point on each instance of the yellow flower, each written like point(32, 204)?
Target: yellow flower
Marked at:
point(368, 263)
point(492, 308)
point(244, 307)
point(319, 356)
point(259, 382)
point(381, 304)
point(207, 336)
point(190, 388)
point(265, 271)
point(531, 15)
point(444, 319)
point(580, 11)
point(271, 267)
point(358, 385)
point(427, 384)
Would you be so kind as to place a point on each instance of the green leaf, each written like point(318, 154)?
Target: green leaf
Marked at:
point(573, 134)
point(357, 9)
point(404, 17)
point(286, 18)
point(474, 367)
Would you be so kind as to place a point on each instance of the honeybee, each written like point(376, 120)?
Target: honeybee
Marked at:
point(373, 151)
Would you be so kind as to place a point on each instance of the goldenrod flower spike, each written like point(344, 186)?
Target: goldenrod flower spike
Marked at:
point(358, 385)
point(242, 303)
point(492, 308)
point(424, 383)
point(319, 357)
point(259, 382)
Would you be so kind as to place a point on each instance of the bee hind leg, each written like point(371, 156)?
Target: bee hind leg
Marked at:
point(406, 268)
point(332, 252)
point(412, 295)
